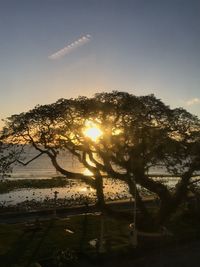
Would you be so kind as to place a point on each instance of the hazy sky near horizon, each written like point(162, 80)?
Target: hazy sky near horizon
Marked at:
point(51, 49)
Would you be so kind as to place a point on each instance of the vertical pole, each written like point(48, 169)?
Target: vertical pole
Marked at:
point(55, 202)
point(135, 205)
point(101, 237)
point(134, 230)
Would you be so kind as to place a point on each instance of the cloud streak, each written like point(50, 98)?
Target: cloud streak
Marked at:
point(193, 101)
point(70, 47)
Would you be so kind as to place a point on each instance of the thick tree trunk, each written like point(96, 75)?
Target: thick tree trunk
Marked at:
point(155, 187)
point(167, 208)
point(99, 191)
point(144, 212)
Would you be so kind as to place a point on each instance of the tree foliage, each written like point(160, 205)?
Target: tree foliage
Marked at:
point(139, 133)
point(8, 155)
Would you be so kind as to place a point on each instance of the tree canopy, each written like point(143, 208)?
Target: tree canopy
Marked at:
point(118, 135)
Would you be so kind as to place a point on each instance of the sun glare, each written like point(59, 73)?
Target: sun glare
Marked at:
point(87, 172)
point(92, 131)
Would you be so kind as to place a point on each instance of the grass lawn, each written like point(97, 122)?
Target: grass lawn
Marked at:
point(20, 244)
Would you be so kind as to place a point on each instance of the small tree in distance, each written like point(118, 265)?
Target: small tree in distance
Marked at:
point(136, 134)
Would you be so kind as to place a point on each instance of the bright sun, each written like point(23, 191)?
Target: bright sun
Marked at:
point(87, 172)
point(92, 131)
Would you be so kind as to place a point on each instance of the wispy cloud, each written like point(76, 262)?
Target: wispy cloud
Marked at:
point(193, 101)
point(70, 47)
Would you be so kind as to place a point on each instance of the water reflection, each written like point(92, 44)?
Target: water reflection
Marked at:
point(74, 191)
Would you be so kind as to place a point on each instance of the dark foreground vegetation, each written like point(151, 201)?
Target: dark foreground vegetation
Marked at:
point(66, 242)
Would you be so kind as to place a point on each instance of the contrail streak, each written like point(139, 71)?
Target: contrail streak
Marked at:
point(70, 47)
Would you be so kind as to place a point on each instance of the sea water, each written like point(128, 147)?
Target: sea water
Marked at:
point(42, 168)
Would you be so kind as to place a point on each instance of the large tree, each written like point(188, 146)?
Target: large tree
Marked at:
point(135, 134)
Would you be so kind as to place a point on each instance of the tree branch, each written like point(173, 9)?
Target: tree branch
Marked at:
point(29, 161)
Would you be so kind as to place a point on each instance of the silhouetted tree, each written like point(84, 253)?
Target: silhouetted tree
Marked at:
point(138, 134)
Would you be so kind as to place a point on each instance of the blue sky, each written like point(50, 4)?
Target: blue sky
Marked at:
point(138, 46)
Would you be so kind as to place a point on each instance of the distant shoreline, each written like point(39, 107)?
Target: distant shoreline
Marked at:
point(33, 194)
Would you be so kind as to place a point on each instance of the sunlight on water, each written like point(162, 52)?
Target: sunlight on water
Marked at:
point(87, 172)
point(42, 168)
point(112, 190)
